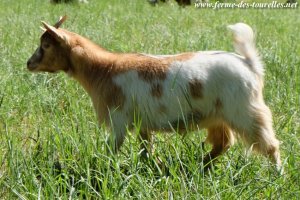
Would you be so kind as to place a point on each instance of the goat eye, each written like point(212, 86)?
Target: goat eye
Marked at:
point(45, 45)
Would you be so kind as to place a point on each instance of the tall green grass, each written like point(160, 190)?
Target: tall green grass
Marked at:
point(50, 143)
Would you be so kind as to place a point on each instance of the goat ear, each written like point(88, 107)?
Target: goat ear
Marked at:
point(43, 29)
point(58, 35)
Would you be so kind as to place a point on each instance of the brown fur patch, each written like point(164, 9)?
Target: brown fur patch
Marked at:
point(115, 97)
point(150, 68)
point(219, 136)
point(156, 90)
point(196, 88)
point(151, 75)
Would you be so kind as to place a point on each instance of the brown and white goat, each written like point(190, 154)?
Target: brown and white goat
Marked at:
point(216, 90)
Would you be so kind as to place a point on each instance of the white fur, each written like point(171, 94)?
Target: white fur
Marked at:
point(244, 45)
point(223, 75)
point(235, 81)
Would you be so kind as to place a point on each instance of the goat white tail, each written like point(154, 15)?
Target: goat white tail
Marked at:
point(245, 46)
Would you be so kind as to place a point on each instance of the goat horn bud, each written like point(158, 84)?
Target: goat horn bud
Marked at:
point(60, 21)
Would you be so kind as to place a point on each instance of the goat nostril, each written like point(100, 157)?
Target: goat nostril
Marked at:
point(28, 63)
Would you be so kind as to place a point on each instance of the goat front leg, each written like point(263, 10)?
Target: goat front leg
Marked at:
point(117, 137)
point(116, 140)
point(145, 139)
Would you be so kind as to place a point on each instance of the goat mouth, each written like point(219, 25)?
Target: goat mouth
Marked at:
point(31, 68)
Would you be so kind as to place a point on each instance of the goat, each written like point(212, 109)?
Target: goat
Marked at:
point(216, 90)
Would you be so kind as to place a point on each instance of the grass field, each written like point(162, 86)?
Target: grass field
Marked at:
point(51, 146)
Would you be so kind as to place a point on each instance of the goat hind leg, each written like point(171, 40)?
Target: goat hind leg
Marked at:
point(221, 138)
point(260, 135)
